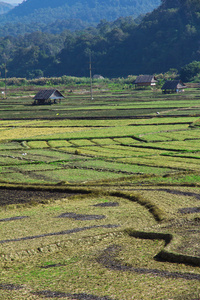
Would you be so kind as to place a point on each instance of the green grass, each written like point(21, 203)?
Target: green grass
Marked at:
point(146, 162)
point(193, 179)
point(103, 142)
point(188, 145)
point(119, 167)
point(127, 141)
point(79, 143)
point(143, 158)
point(58, 144)
point(38, 144)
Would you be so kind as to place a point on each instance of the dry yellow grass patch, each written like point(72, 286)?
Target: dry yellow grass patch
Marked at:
point(19, 133)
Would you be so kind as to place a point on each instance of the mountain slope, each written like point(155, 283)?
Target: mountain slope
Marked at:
point(92, 11)
point(5, 7)
point(166, 38)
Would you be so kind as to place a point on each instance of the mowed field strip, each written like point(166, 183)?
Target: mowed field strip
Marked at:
point(100, 200)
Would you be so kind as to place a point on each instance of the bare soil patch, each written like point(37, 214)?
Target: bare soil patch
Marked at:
point(15, 196)
point(175, 192)
point(82, 296)
point(189, 210)
point(10, 287)
point(13, 218)
point(81, 217)
point(108, 258)
point(52, 266)
point(107, 204)
point(58, 233)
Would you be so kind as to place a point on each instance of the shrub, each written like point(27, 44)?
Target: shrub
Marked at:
point(188, 72)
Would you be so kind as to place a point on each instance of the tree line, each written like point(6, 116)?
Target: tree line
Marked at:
point(45, 12)
point(164, 39)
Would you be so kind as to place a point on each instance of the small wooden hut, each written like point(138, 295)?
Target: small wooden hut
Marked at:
point(47, 97)
point(173, 86)
point(145, 80)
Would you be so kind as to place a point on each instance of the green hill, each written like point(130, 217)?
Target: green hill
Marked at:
point(90, 11)
point(166, 38)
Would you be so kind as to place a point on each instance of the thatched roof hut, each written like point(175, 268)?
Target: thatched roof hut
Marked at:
point(47, 97)
point(145, 80)
point(173, 86)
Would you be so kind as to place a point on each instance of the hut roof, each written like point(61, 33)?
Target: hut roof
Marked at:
point(173, 85)
point(97, 76)
point(145, 79)
point(48, 94)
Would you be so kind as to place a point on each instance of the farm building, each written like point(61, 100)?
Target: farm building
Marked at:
point(145, 80)
point(173, 86)
point(97, 76)
point(47, 97)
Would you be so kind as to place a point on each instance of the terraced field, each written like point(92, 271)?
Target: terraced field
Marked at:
point(46, 153)
point(100, 200)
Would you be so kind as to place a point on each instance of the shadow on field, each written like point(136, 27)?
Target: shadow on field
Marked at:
point(75, 230)
point(108, 258)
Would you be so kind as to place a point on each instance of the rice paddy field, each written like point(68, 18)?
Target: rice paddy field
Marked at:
point(100, 199)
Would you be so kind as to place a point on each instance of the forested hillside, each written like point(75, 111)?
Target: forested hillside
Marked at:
point(36, 14)
point(166, 38)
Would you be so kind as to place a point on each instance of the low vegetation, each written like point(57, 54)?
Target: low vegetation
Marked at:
point(100, 206)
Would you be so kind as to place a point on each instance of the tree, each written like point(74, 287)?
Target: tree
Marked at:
point(189, 71)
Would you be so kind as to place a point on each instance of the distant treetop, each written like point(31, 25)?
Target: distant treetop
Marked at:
point(92, 11)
